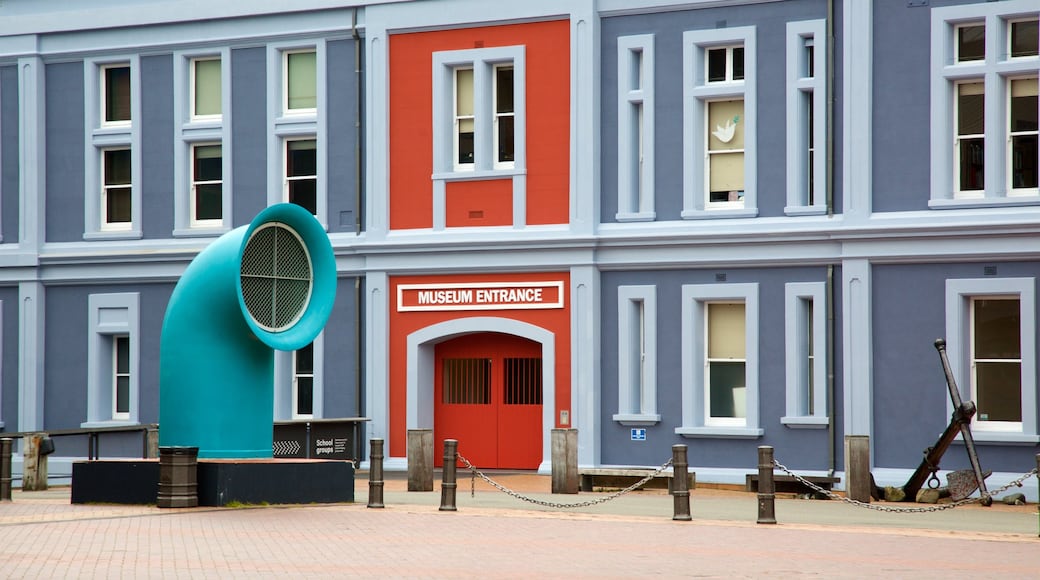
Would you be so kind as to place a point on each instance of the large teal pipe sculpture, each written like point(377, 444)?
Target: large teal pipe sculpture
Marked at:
point(268, 285)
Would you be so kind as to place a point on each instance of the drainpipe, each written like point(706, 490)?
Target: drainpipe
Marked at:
point(830, 371)
point(830, 108)
point(358, 94)
point(268, 285)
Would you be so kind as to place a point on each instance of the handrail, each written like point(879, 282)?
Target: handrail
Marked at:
point(92, 433)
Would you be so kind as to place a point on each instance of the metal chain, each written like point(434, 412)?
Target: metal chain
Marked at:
point(477, 473)
point(935, 508)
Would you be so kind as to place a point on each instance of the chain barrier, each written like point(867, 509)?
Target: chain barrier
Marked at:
point(556, 505)
point(884, 508)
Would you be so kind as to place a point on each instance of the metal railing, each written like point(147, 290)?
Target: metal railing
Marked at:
point(94, 436)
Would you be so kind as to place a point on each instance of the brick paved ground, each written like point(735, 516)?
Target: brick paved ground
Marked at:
point(43, 536)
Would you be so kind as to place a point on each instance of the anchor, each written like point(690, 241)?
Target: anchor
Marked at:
point(960, 422)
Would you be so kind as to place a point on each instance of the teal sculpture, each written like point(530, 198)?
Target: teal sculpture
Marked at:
point(258, 288)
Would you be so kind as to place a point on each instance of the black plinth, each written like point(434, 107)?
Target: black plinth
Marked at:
point(220, 481)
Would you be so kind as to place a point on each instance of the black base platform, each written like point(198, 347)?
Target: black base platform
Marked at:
point(220, 481)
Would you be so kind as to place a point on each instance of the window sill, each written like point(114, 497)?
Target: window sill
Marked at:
point(108, 423)
point(797, 210)
point(805, 422)
point(1001, 438)
point(113, 235)
point(642, 216)
point(707, 214)
point(477, 175)
point(983, 202)
point(637, 419)
point(720, 432)
point(199, 232)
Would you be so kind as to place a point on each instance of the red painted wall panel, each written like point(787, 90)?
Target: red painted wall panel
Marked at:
point(479, 203)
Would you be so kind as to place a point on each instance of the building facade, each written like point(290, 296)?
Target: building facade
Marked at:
point(723, 223)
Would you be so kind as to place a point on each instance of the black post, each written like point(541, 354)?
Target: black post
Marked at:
point(5, 468)
point(680, 484)
point(766, 486)
point(448, 483)
point(375, 474)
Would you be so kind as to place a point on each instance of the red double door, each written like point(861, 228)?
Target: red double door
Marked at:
point(488, 393)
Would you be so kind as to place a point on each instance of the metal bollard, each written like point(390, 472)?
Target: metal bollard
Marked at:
point(680, 484)
point(1038, 485)
point(375, 474)
point(448, 483)
point(5, 469)
point(766, 486)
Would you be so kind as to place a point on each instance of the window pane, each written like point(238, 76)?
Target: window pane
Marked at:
point(810, 62)
point(728, 394)
point(1024, 162)
point(726, 176)
point(466, 141)
point(301, 158)
point(970, 109)
point(117, 167)
point(505, 139)
point(503, 89)
point(122, 344)
point(716, 64)
point(304, 395)
point(999, 391)
point(304, 193)
point(726, 338)
point(1024, 39)
point(305, 360)
point(972, 158)
point(117, 205)
point(738, 63)
point(117, 93)
point(122, 395)
point(207, 87)
point(208, 163)
point(971, 43)
point(725, 125)
point(1023, 105)
point(303, 80)
point(997, 324)
point(209, 203)
point(464, 92)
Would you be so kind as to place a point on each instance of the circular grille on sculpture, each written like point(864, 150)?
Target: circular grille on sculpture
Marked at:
point(276, 277)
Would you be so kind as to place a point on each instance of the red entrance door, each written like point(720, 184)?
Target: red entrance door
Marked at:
point(488, 393)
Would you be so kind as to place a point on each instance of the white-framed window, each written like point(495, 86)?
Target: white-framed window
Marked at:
point(301, 173)
point(113, 355)
point(300, 82)
point(202, 121)
point(720, 361)
point(636, 128)
point(991, 345)
point(116, 188)
point(303, 382)
point(805, 340)
point(115, 95)
point(207, 185)
point(637, 356)
point(984, 105)
point(806, 117)
point(719, 105)
point(112, 89)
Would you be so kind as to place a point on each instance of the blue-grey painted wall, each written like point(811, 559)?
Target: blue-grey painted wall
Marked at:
point(342, 353)
point(249, 133)
point(343, 86)
point(157, 146)
point(770, 20)
point(9, 371)
point(9, 172)
point(65, 170)
point(806, 448)
point(910, 393)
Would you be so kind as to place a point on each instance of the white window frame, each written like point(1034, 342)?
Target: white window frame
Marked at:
point(697, 93)
point(637, 356)
point(296, 376)
point(485, 165)
point(695, 299)
point(993, 71)
point(797, 371)
point(959, 293)
point(285, 169)
point(103, 100)
point(193, 197)
point(285, 387)
point(100, 136)
point(194, 130)
point(635, 180)
point(118, 415)
point(803, 90)
point(1009, 158)
point(106, 225)
point(111, 315)
point(300, 124)
point(977, 423)
point(306, 111)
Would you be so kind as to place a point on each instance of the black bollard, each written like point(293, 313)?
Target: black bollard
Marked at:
point(680, 484)
point(5, 469)
point(375, 474)
point(766, 487)
point(448, 483)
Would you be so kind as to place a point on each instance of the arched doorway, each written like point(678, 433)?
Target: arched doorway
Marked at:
point(488, 394)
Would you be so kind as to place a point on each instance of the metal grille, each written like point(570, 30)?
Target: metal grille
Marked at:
point(523, 381)
point(276, 277)
point(467, 381)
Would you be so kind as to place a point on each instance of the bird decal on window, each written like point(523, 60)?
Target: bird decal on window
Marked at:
point(725, 134)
